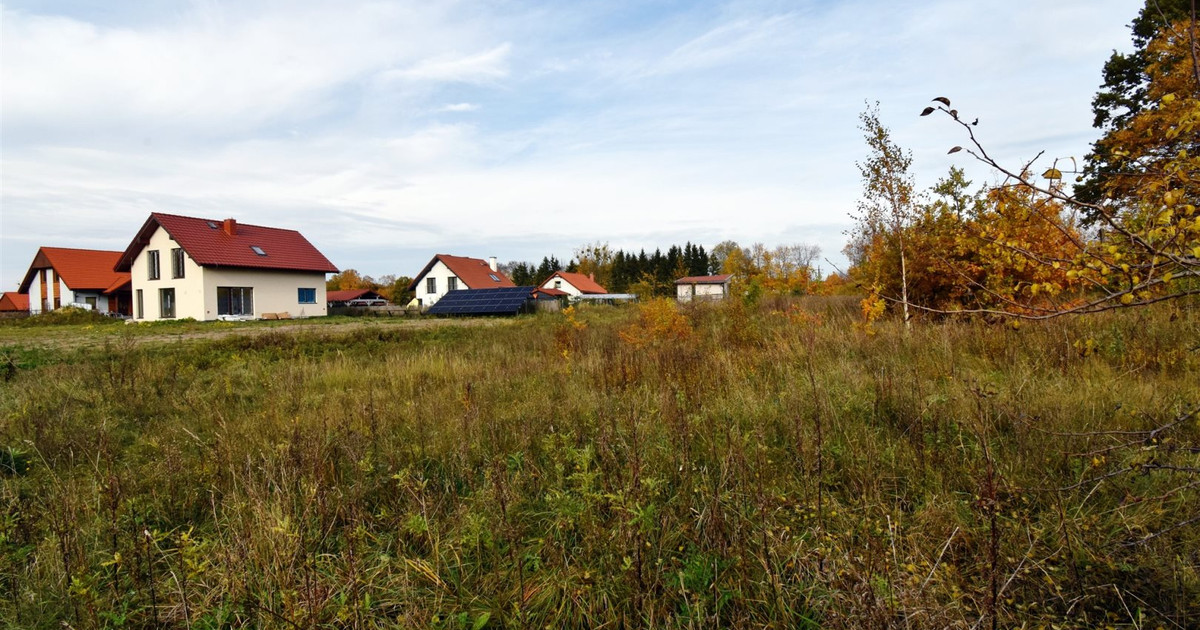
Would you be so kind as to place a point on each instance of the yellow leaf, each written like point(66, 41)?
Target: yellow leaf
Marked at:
point(1127, 298)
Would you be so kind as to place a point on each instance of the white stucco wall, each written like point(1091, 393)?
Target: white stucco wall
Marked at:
point(66, 295)
point(443, 274)
point(36, 304)
point(563, 286)
point(80, 297)
point(196, 291)
point(683, 292)
point(274, 291)
point(189, 290)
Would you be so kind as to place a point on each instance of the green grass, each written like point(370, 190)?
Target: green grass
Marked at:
point(774, 467)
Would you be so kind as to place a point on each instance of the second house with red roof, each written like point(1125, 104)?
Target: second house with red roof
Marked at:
point(210, 269)
point(66, 276)
point(573, 284)
point(446, 273)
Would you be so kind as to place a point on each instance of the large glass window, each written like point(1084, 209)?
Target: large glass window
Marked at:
point(308, 296)
point(177, 262)
point(431, 285)
point(235, 301)
point(152, 264)
point(166, 303)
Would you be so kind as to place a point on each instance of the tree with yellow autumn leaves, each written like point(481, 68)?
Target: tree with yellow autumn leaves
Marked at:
point(1030, 247)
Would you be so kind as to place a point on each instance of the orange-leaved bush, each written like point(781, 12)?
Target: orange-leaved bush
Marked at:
point(659, 322)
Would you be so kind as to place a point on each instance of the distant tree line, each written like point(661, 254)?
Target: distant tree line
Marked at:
point(620, 271)
point(392, 287)
point(783, 270)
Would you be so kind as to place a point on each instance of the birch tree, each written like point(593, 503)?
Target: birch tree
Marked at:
point(886, 206)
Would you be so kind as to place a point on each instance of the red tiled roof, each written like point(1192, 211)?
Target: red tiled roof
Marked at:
point(120, 284)
point(722, 279)
point(13, 301)
point(474, 273)
point(80, 269)
point(579, 281)
point(554, 292)
point(346, 295)
point(209, 245)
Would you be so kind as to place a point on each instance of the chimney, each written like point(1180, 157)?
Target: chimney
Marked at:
point(229, 226)
point(592, 276)
point(492, 263)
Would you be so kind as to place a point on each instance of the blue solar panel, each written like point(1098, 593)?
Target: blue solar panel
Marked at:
point(504, 301)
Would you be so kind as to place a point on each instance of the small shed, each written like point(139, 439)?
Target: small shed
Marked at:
point(14, 304)
point(702, 287)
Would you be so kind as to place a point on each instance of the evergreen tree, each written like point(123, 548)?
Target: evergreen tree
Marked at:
point(1125, 94)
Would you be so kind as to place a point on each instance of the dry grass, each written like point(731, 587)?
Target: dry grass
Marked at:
point(775, 466)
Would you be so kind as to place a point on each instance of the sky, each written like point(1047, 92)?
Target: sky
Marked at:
point(390, 131)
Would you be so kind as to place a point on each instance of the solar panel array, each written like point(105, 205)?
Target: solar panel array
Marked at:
point(503, 301)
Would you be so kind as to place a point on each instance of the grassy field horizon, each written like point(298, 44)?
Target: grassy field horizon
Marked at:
point(775, 465)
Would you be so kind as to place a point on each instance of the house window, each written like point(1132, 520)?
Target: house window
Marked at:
point(308, 296)
point(90, 301)
point(431, 285)
point(166, 303)
point(235, 301)
point(558, 284)
point(494, 277)
point(152, 264)
point(258, 250)
point(141, 314)
point(177, 262)
point(452, 284)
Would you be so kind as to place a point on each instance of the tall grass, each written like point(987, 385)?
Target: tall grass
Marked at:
point(656, 467)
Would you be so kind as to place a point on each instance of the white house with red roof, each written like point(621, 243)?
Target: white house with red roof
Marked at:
point(702, 287)
point(573, 284)
point(66, 276)
point(220, 269)
point(446, 273)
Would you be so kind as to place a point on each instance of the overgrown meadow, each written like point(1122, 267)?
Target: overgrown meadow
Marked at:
point(780, 465)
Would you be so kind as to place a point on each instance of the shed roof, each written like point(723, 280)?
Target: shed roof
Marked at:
point(345, 295)
point(721, 279)
point(13, 301)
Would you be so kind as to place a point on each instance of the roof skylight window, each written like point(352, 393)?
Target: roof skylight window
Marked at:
point(493, 277)
point(211, 225)
point(258, 250)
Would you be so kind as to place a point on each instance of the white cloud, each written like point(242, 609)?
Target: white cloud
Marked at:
point(459, 107)
point(217, 73)
point(483, 67)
